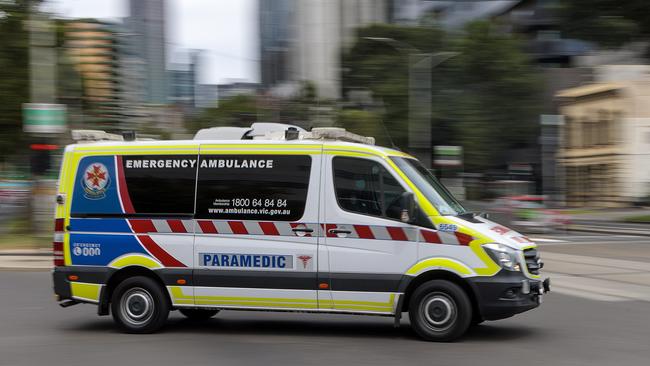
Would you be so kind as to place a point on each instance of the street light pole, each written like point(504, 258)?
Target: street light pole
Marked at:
point(419, 114)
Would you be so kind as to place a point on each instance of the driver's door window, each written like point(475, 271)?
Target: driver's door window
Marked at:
point(365, 187)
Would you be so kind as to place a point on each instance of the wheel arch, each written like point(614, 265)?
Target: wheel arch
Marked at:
point(409, 287)
point(120, 275)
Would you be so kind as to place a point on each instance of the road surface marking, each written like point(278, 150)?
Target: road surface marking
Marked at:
point(546, 240)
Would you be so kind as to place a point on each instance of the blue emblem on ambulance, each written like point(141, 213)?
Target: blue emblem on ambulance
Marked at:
point(95, 181)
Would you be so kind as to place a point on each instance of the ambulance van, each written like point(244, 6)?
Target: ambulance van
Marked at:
point(276, 218)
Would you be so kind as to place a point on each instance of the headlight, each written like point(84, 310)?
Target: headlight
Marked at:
point(504, 256)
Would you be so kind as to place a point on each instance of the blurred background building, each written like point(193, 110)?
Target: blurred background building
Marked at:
point(93, 48)
point(526, 97)
point(147, 24)
point(606, 149)
point(304, 40)
point(183, 82)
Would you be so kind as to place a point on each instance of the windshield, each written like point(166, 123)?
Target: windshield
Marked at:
point(435, 192)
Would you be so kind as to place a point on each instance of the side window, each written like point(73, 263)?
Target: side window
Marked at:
point(366, 187)
point(161, 184)
point(253, 187)
point(138, 184)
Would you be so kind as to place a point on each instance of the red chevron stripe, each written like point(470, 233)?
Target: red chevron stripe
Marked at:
point(396, 233)
point(123, 188)
point(430, 237)
point(268, 228)
point(364, 232)
point(142, 226)
point(165, 258)
point(463, 239)
point(237, 227)
point(176, 226)
point(207, 227)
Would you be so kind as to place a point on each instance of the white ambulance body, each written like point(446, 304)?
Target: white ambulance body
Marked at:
point(278, 218)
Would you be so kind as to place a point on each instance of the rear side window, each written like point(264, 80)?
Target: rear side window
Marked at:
point(161, 184)
point(366, 187)
point(146, 185)
point(253, 187)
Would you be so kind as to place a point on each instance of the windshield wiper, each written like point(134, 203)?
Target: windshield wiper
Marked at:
point(471, 216)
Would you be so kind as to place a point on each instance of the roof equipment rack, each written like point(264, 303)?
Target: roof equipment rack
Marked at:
point(81, 136)
point(279, 131)
point(337, 134)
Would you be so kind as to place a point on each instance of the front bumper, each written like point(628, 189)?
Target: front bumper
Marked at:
point(507, 293)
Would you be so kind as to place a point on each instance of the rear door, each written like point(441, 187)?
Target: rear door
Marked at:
point(136, 209)
point(256, 243)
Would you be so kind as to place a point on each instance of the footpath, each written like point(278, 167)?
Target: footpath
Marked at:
point(610, 221)
point(29, 259)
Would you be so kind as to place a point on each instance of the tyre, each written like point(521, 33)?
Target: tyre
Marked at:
point(139, 305)
point(198, 314)
point(476, 322)
point(440, 311)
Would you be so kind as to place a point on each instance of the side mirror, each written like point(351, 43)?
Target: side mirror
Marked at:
point(407, 207)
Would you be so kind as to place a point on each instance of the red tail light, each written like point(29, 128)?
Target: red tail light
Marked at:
point(57, 243)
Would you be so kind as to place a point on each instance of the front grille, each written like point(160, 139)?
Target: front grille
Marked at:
point(532, 261)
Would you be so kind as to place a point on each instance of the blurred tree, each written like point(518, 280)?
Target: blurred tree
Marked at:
point(363, 122)
point(243, 110)
point(484, 99)
point(14, 74)
point(491, 95)
point(609, 23)
point(383, 69)
point(238, 111)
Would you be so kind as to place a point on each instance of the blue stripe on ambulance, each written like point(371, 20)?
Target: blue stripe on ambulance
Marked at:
point(103, 225)
point(100, 250)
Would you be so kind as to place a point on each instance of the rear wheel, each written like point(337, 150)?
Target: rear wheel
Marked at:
point(198, 314)
point(139, 305)
point(440, 311)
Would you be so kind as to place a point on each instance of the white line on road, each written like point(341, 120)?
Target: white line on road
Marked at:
point(546, 240)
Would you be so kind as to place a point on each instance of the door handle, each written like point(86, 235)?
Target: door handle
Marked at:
point(339, 231)
point(302, 230)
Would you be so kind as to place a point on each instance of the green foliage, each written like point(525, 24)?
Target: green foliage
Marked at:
point(243, 110)
point(238, 111)
point(491, 94)
point(639, 219)
point(609, 23)
point(383, 69)
point(364, 123)
point(484, 99)
point(14, 74)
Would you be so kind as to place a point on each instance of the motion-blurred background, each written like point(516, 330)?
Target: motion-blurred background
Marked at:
point(535, 110)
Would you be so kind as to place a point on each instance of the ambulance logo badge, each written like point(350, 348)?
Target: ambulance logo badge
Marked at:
point(306, 261)
point(95, 181)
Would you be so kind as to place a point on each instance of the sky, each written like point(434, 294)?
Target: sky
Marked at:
point(225, 29)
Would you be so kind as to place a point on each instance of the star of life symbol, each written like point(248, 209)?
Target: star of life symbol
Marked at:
point(95, 181)
point(305, 260)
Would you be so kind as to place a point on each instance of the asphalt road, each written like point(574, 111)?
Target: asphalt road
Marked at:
point(599, 315)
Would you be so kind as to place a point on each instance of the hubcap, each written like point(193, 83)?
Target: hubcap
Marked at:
point(439, 311)
point(137, 306)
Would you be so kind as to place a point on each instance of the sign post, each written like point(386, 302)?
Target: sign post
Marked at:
point(449, 163)
point(44, 118)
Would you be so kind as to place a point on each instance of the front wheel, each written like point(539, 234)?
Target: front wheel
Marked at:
point(440, 311)
point(139, 305)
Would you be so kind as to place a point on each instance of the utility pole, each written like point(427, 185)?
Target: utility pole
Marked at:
point(42, 118)
point(419, 115)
